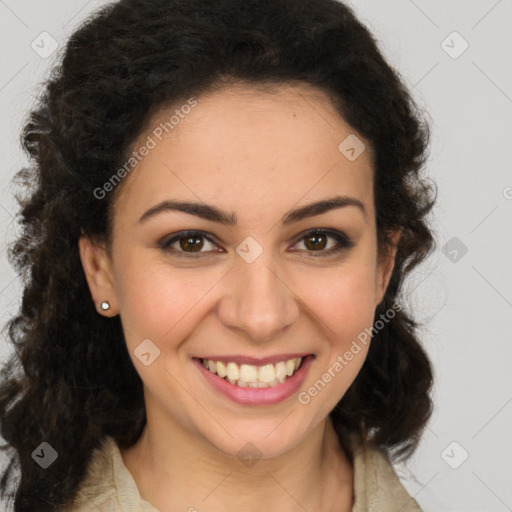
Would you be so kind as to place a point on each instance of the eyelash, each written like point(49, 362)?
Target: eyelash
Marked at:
point(343, 242)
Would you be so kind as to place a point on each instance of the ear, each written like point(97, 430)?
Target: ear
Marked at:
point(385, 265)
point(98, 272)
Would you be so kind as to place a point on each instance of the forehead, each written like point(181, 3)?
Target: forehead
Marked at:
point(245, 145)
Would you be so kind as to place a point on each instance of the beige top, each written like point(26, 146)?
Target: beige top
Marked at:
point(110, 487)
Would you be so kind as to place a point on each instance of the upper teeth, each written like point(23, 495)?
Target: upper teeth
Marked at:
point(248, 375)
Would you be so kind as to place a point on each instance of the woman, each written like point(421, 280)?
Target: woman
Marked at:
point(226, 198)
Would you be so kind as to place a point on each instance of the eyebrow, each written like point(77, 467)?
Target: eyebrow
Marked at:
point(214, 214)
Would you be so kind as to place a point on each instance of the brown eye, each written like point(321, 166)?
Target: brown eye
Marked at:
point(316, 241)
point(189, 244)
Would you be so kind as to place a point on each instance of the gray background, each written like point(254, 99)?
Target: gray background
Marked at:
point(464, 461)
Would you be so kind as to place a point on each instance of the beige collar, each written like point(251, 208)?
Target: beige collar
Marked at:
point(377, 487)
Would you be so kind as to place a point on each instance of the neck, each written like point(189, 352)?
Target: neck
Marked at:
point(314, 475)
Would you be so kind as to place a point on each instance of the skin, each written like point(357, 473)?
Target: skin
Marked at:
point(257, 155)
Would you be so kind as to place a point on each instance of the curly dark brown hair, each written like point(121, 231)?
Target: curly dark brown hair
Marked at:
point(70, 380)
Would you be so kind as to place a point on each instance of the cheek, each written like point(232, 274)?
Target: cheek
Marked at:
point(343, 309)
point(344, 299)
point(158, 302)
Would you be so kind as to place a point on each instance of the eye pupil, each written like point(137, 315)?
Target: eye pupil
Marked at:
point(317, 239)
point(193, 243)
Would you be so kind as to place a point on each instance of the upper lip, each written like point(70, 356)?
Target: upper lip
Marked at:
point(255, 361)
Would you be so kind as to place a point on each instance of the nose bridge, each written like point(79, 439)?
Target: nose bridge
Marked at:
point(258, 301)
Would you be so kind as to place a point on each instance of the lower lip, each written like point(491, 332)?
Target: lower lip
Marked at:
point(258, 396)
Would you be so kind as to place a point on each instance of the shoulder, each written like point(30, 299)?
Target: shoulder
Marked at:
point(108, 485)
point(377, 487)
point(98, 491)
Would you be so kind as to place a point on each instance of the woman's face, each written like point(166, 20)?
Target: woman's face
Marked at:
point(255, 285)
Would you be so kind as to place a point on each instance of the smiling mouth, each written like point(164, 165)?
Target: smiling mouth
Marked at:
point(251, 376)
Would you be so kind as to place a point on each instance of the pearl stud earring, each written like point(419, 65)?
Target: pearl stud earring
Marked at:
point(105, 305)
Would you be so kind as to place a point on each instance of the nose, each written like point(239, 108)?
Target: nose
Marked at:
point(258, 300)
